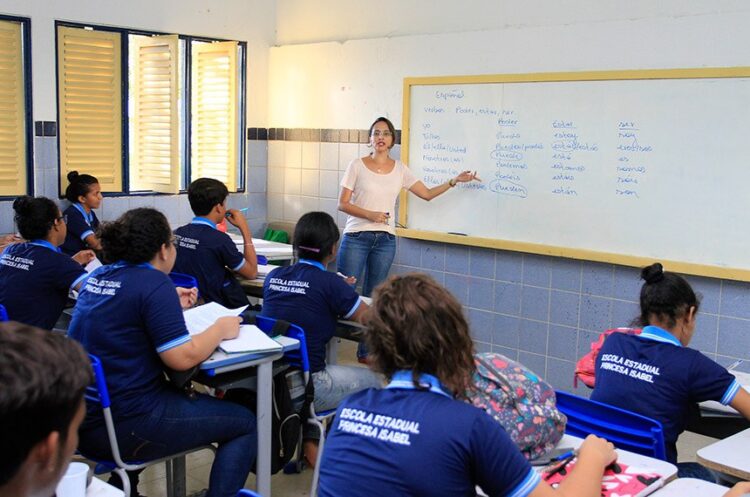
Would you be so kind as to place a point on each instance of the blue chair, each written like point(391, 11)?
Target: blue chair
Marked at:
point(3, 313)
point(298, 358)
point(627, 430)
point(183, 280)
point(248, 493)
point(99, 394)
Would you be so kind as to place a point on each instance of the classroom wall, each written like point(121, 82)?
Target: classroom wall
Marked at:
point(245, 20)
point(544, 311)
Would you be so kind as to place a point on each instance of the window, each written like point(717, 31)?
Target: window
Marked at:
point(175, 115)
point(15, 107)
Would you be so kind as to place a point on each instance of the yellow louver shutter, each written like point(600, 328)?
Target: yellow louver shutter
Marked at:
point(155, 127)
point(215, 112)
point(12, 111)
point(90, 105)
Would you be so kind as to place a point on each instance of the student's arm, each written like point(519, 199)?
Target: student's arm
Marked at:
point(741, 402)
point(585, 480)
point(740, 489)
point(93, 242)
point(360, 315)
point(420, 190)
point(249, 270)
point(347, 207)
point(84, 257)
point(199, 347)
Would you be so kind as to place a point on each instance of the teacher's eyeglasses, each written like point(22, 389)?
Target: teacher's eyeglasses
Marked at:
point(385, 134)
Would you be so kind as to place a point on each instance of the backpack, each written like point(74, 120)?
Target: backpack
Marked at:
point(520, 401)
point(586, 365)
point(286, 422)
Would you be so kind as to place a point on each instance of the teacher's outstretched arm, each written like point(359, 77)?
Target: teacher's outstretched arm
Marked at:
point(420, 190)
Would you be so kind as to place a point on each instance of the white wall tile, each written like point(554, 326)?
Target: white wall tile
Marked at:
point(257, 179)
point(310, 155)
point(293, 154)
point(276, 153)
point(347, 153)
point(257, 153)
point(330, 206)
point(275, 180)
point(292, 207)
point(169, 206)
point(329, 156)
point(309, 185)
point(275, 211)
point(185, 213)
point(292, 180)
point(396, 152)
point(6, 218)
point(114, 207)
point(329, 184)
point(308, 204)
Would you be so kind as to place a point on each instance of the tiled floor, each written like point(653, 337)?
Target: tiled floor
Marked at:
point(153, 482)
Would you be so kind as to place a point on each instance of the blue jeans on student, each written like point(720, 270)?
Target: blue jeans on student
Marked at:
point(176, 424)
point(334, 383)
point(367, 255)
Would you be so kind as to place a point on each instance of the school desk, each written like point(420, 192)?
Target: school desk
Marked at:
point(690, 487)
point(98, 488)
point(730, 456)
point(274, 251)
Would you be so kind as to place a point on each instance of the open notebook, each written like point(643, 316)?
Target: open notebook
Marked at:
point(619, 480)
point(250, 339)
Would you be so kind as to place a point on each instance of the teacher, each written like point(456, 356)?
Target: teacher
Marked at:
point(368, 195)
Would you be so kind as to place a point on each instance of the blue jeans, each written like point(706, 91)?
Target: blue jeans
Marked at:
point(368, 252)
point(177, 423)
point(334, 383)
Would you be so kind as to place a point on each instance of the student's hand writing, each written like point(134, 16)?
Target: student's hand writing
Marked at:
point(235, 217)
point(84, 257)
point(188, 297)
point(467, 176)
point(595, 447)
point(741, 488)
point(229, 326)
point(379, 217)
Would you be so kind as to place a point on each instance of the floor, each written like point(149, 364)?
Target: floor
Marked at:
point(153, 480)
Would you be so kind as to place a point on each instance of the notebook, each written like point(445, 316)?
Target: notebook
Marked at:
point(250, 340)
point(619, 480)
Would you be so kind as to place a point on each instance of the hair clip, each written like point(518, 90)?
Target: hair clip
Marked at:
point(309, 249)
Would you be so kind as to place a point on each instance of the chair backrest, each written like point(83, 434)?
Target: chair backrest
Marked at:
point(183, 280)
point(3, 313)
point(297, 358)
point(248, 493)
point(627, 430)
point(98, 392)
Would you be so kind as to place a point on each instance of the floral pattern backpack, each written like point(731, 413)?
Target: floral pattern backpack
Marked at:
point(520, 401)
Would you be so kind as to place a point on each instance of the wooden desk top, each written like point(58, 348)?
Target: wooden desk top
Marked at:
point(730, 456)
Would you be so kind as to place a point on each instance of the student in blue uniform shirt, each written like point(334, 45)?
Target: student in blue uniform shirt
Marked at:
point(35, 277)
point(84, 195)
point(210, 255)
point(130, 316)
point(313, 298)
point(415, 437)
point(655, 373)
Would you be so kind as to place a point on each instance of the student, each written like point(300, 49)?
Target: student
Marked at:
point(429, 442)
point(210, 255)
point(43, 377)
point(655, 373)
point(130, 316)
point(84, 195)
point(368, 195)
point(35, 277)
point(307, 295)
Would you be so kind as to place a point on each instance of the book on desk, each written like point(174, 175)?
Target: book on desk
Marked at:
point(249, 340)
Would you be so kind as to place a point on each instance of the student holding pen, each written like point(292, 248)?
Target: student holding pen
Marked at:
point(416, 436)
point(35, 276)
point(368, 195)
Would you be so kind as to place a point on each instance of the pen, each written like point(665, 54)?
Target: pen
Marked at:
point(561, 466)
point(342, 275)
point(243, 210)
point(563, 456)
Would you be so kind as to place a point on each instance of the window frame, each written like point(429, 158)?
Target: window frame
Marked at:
point(28, 102)
point(186, 109)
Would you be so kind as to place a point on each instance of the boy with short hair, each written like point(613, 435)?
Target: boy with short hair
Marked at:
point(43, 377)
point(210, 255)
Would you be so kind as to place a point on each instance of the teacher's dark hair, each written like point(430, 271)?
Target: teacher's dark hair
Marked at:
point(35, 216)
point(417, 325)
point(79, 185)
point(135, 237)
point(315, 236)
point(665, 296)
point(43, 377)
point(388, 123)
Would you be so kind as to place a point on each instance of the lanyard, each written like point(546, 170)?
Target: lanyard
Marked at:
point(46, 244)
point(203, 220)
point(403, 380)
point(312, 263)
point(146, 265)
point(89, 218)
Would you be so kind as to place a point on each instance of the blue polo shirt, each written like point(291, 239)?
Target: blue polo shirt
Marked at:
point(654, 375)
point(80, 225)
point(307, 295)
point(35, 278)
point(408, 442)
point(205, 253)
point(127, 315)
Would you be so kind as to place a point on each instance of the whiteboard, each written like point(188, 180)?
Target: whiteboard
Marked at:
point(627, 167)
